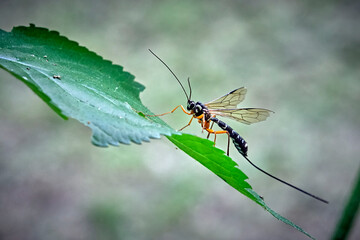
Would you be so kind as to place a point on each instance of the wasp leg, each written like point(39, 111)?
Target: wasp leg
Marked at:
point(220, 132)
point(158, 115)
point(187, 124)
point(212, 124)
point(203, 124)
point(228, 147)
point(211, 131)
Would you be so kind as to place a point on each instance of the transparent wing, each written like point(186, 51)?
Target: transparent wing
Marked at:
point(244, 115)
point(228, 101)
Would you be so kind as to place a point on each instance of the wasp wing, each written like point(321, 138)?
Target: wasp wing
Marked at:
point(244, 115)
point(228, 101)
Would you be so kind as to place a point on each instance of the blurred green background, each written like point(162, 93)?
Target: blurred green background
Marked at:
point(298, 58)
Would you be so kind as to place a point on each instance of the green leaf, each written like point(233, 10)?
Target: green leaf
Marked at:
point(348, 217)
point(79, 84)
point(216, 161)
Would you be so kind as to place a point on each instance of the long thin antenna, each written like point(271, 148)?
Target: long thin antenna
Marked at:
point(172, 73)
point(290, 185)
point(189, 87)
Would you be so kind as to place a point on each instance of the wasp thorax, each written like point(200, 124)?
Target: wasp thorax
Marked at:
point(207, 115)
point(198, 109)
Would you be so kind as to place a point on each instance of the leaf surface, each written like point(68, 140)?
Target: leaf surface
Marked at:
point(77, 83)
point(223, 166)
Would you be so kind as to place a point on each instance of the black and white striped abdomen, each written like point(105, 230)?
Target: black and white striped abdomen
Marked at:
point(238, 141)
point(240, 145)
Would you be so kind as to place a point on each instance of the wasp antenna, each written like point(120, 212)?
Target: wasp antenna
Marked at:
point(286, 183)
point(171, 73)
point(189, 87)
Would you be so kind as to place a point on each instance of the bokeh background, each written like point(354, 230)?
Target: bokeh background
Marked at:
point(300, 59)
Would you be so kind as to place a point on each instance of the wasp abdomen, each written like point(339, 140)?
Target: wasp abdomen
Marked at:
point(239, 142)
point(241, 145)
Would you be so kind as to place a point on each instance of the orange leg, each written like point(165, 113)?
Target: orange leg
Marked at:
point(158, 115)
point(212, 124)
point(203, 124)
point(219, 132)
point(211, 131)
point(187, 124)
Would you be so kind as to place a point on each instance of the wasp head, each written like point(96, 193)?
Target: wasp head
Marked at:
point(190, 105)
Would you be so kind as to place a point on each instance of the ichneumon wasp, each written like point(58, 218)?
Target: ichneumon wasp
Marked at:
point(226, 106)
